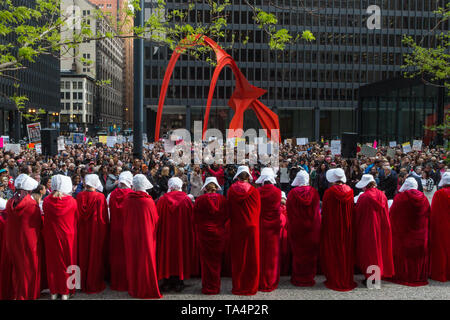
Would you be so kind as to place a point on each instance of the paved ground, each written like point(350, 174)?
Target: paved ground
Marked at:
point(286, 291)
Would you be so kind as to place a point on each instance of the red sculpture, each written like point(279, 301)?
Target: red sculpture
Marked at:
point(245, 95)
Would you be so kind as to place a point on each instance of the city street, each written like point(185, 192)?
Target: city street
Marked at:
point(286, 291)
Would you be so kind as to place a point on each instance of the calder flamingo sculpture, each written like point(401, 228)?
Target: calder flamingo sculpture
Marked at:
point(245, 95)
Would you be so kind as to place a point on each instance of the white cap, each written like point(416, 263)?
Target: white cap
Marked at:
point(175, 183)
point(93, 181)
point(445, 179)
point(283, 195)
point(365, 180)
point(24, 182)
point(267, 174)
point(211, 180)
point(410, 183)
point(126, 178)
point(335, 175)
point(243, 169)
point(141, 183)
point(3, 204)
point(62, 184)
point(301, 179)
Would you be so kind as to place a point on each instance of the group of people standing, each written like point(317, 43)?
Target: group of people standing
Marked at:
point(251, 234)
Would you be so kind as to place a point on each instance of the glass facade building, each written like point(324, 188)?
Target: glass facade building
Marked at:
point(313, 87)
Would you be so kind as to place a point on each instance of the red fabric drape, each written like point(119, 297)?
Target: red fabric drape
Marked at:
point(92, 240)
point(60, 239)
point(409, 218)
point(175, 246)
point(24, 247)
point(270, 227)
point(116, 243)
point(139, 235)
point(373, 234)
point(210, 216)
point(337, 239)
point(6, 285)
point(440, 236)
point(303, 209)
point(244, 205)
point(285, 247)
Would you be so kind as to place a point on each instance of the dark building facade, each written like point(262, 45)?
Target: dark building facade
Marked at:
point(313, 87)
point(39, 82)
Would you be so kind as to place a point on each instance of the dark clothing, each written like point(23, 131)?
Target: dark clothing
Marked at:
point(419, 181)
point(389, 185)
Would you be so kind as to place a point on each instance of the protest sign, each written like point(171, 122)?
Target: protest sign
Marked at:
point(169, 146)
point(392, 144)
point(406, 147)
point(368, 151)
point(14, 148)
point(5, 140)
point(78, 138)
point(102, 139)
point(38, 147)
point(302, 141)
point(390, 153)
point(34, 132)
point(417, 145)
point(111, 141)
point(61, 146)
point(335, 147)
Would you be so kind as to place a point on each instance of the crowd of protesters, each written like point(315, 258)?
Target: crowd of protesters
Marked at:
point(102, 188)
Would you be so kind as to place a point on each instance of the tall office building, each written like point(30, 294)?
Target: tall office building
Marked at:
point(313, 87)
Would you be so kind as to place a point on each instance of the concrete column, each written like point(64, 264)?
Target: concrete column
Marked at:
point(317, 124)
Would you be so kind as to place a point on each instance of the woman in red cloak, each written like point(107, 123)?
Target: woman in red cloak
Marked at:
point(60, 236)
point(23, 240)
point(139, 234)
point(92, 235)
point(303, 207)
point(270, 227)
point(285, 247)
point(6, 289)
point(409, 218)
point(116, 200)
point(373, 234)
point(244, 205)
point(336, 235)
point(175, 244)
point(440, 232)
point(210, 216)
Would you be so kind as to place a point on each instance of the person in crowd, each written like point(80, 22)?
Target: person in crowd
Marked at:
point(428, 185)
point(77, 185)
point(217, 171)
point(139, 233)
point(60, 237)
point(373, 234)
point(244, 206)
point(410, 214)
point(103, 174)
point(23, 240)
point(176, 245)
point(337, 233)
point(389, 182)
point(38, 194)
point(116, 203)
point(440, 231)
point(210, 216)
point(196, 181)
point(92, 235)
point(5, 191)
point(112, 181)
point(270, 228)
point(303, 212)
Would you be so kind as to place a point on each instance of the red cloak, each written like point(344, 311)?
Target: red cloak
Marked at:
point(6, 285)
point(139, 235)
point(60, 239)
point(116, 243)
point(210, 216)
point(175, 244)
point(440, 236)
point(373, 234)
point(92, 240)
point(409, 219)
point(226, 264)
point(337, 239)
point(269, 241)
point(244, 205)
point(285, 247)
point(303, 209)
point(24, 247)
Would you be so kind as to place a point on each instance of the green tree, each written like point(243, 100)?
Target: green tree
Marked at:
point(29, 32)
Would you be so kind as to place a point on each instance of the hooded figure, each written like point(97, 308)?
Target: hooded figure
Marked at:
point(336, 235)
point(303, 209)
point(60, 235)
point(409, 219)
point(244, 205)
point(92, 235)
point(175, 244)
point(116, 201)
point(210, 216)
point(440, 232)
point(6, 289)
point(373, 235)
point(23, 241)
point(270, 227)
point(139, 234)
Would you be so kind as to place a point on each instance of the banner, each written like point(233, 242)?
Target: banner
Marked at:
point(102, 139)
point(14, 148)
point(78, 138)
point(417, 145)
point(335, 147)
point(111, 141)
point(406, 147)
point(302, 141)
point(34, 132)
point(368, 151)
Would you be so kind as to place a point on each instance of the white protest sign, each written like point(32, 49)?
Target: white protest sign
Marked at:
point(61, 146)
point(302, 141)
point(169, 146)
point(38, 147)
point(335, 147)
point(111, 141)
point(15, 148)
point(417, 145)
point(392, 144)
point(406, 147)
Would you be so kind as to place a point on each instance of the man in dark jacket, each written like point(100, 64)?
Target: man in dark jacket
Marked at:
point(388, 182)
